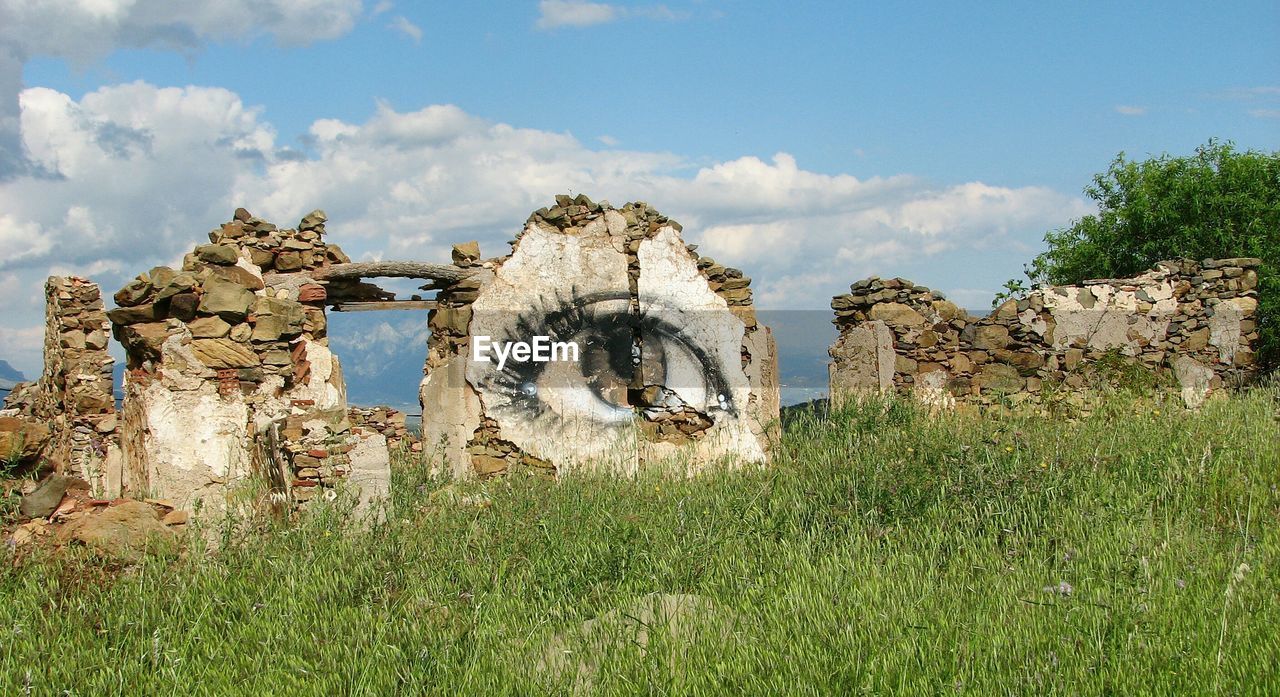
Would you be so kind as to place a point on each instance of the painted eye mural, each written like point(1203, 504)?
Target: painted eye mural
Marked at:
point(600, 364)
point(598, 342)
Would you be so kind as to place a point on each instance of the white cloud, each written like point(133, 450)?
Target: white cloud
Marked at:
point(1128, 110)
point(22, 347)
point(404, 26)
point(146, 171)
point(136, 166)
point(579, 13)
point(574, 13)
point(608, 140)
point(84, 30)
point(1249, 93)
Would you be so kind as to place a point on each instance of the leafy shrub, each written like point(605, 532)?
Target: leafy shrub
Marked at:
point(1218, 203)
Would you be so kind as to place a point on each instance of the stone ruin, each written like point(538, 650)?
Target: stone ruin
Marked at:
point(391, 423)
point(230, 383)
point(1197, 320)
point(675, 370)
point(68, 415)
point(233, 400)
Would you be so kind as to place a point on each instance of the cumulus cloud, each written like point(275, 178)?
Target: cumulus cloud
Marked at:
point(84, 31)
point(141, 172)
point(134, 166)
point(579, 13)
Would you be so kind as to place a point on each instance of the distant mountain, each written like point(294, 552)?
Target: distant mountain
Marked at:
point(9, 376)
point(382, 355)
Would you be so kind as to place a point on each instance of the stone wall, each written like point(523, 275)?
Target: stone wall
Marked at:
point(674, 365)
point(232, 398)
point(387, 421)
point(231, 387)
point(1193, 320)
point(73, 397)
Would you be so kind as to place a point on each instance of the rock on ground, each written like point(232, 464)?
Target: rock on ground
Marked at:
point(42, 502)
point(124, 532)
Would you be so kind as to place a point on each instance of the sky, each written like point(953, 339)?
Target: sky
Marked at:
point(809, 143)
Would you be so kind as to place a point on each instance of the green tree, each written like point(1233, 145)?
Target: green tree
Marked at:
point(1217, 203)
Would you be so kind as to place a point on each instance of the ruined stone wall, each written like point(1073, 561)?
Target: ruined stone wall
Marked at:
point(231, 387)
point(675, 366)
point(73, 396)
point(1196, 320)
point(387, 421)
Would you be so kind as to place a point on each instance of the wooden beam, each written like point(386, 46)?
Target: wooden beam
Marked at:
point(391, 269)
point(365, 306)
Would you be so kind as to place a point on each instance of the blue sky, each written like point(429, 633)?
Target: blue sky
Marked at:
point(811, 143)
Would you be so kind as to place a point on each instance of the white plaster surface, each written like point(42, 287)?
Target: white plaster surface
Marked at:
point(370, 474)
point(450, 414)
point(671, 286)
point(1113, 320)
point(195, 444)
point(1194, 378)
point(546, 270)
point(1224, 328)
point(863, 362)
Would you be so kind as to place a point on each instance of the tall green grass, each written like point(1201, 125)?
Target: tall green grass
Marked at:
point(1134, 551)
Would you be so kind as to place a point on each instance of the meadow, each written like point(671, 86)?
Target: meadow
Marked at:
point(1130, 550)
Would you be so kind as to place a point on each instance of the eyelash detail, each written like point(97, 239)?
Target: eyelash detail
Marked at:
point(568, 318)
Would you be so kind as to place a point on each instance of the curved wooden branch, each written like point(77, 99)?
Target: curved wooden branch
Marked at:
point(391, 269)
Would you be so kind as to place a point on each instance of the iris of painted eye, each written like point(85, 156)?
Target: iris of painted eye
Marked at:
point(606, 361)
point(620, 355)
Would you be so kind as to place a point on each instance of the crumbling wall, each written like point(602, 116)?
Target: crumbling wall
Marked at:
point(72, 400)
point(231, 389)
point(673, 367)
point(1196, 320)
point(389, 422)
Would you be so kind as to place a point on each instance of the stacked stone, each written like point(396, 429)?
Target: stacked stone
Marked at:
point(239, 321)
point(285, 251)
point(387, 421)
point(73, 397)
point(492, 455)
point(452, 315)
point(239, 327)
point(316, 444)
point(1202, 287)
point(1194, 317)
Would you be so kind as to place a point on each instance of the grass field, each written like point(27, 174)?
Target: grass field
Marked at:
point(1134, 551)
